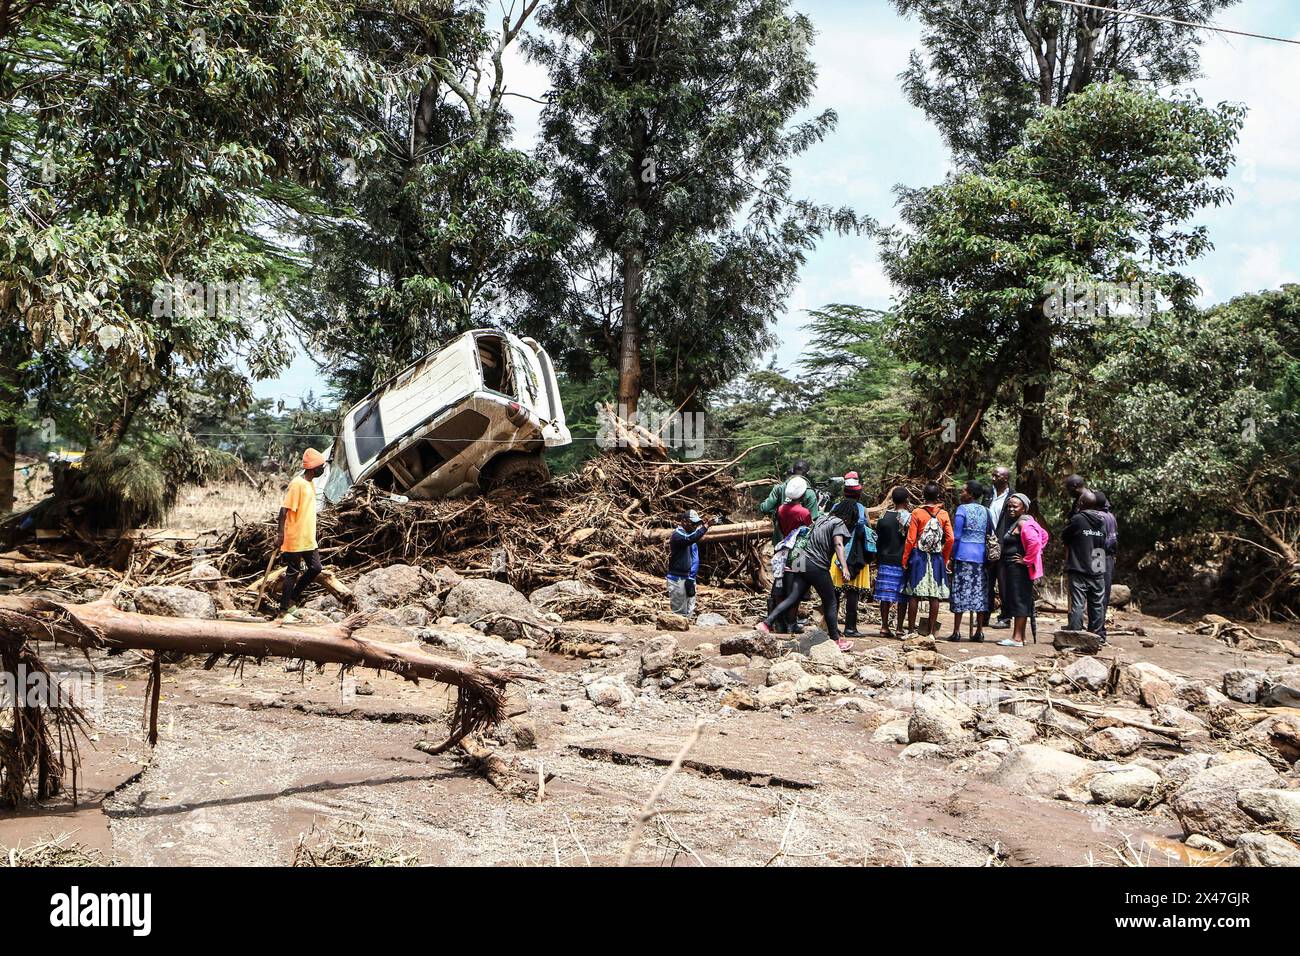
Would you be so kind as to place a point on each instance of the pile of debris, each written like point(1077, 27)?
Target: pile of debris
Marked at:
point(606, 526)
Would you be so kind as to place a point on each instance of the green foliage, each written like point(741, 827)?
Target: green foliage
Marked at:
point(668, 121)
point(987, 67)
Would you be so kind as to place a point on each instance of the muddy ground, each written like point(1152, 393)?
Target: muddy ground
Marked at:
point(250, 761)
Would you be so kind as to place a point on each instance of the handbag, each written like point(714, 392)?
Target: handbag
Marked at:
point(992, 543)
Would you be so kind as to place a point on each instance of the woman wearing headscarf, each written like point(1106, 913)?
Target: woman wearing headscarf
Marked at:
point(969, 580)
point(1022, 556)
point(855, 580)
point(891, 535)
point(791, 517)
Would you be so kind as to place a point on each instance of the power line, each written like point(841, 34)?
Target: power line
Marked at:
point(1176, 22)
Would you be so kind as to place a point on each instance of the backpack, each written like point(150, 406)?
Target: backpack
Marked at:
point(930, 540)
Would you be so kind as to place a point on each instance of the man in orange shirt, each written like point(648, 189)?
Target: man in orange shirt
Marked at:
point(298, 532)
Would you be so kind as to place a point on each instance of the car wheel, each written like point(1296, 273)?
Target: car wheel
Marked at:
point(516, 469)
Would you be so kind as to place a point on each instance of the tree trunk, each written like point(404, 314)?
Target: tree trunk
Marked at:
point(480, 690)
point(629, 360)
point(1030, 440)
point(10, 397)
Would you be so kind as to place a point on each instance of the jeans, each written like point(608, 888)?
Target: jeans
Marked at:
point(819, 580)
point(681, 595)
point(1088, 595)
point(295, 582)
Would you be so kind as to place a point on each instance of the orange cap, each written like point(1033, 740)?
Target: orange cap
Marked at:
point(311, 458)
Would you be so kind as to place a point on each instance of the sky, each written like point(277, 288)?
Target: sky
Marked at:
point(882, 141)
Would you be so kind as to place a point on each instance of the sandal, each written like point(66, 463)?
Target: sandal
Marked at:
point(843, 645)
point(955, 636)
point(1008, 642)
point(978, 638)
point(762, 627)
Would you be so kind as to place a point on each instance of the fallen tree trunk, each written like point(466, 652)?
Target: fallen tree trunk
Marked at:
point(99, 625)
point(719, 532)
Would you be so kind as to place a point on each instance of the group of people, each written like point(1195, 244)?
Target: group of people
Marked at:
point(984, 556)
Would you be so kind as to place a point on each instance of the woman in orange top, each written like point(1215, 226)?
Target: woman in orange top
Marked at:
point(925, 557)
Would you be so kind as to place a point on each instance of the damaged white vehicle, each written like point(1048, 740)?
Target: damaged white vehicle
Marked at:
point(477, 413)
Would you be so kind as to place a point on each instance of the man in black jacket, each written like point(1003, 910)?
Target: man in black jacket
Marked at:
point(995, 501)
point(684, 563)
point(1085, 564)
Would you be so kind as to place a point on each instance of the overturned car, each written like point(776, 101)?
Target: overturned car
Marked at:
point(477, 413)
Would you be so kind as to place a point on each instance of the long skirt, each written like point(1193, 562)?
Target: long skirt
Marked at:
point(969, 587)
point(889, 582)
point(1017, 591)
point(926, 576)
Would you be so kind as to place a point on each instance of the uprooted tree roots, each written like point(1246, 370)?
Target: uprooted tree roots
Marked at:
point(40, 747)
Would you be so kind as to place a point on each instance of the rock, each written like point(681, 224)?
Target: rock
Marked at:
point(984, 698)
point(1008, 726)
point(1120, 595)
point(610, 691)
point(839, 684)
point(1080, 642)
point(409, 615)
point(1277, 807)
point(785, 670)
point(1178, 771)
point(524, 729)
point(1281, 733)
point(1204, 843)
point(1265, 849)
point(859, 704)
point(828, 655)
point(981, 762)
point(739, 700)
point(922, 751)
point(562, 594)
point(756, 644)
point(711, 619)
point(872, 676)
point(170, 601)
point(658, 654)
point(668, 621)
point(1124, 786)
point(993, 662)
point(1244, 685)
point(934, 723)
point(1054, 719)
point(472, 645)
point(393, 586)
point(812, 684)
point(1196, 693)
point(1088, 672)
point(1143, 681)
point(892, 732)
point(1035, 769)
point(1207, 802)
point(1169, 715)
point(496, 604)
point(778, 695)
point(924, 661)
point(1114, 742)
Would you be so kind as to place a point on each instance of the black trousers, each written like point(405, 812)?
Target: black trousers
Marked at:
point(781, 588)
point(851, 598)
point(301, 568)
point(1087, 597)
point(816, 579)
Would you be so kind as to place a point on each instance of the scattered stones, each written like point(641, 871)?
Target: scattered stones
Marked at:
point(1265, 849)
point(1207, 802)
point(1088, 672)
point(169, 601)
point(1281, 733)
point(1124, 786)
point(1114, 742)
point(1244, 685)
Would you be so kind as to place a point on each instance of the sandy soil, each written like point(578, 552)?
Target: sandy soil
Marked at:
point(249, 762)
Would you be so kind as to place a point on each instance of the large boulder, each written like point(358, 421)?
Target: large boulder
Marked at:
point(658, 654)
point(1125, 786)
point(505, 612)
point(1265, 849)
point(562, 594)
point(1280, 808)
point(169, 601)
point(828, 654)
point(1035, 769)
point(1207, 802)
point(610, 692)
point(1145, 683)
point(1178, 771)
point(394, 586)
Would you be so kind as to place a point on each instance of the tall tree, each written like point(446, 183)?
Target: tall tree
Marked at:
point(987, 66)
point(668, 121)
point(429, 216)
point(1099, 191)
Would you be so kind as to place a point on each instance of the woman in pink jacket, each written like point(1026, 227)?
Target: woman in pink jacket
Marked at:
point(1022, 556)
